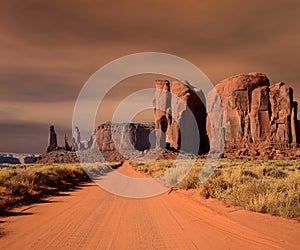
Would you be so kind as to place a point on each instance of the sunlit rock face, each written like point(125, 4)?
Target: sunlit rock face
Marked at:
point(252, 114)
point(180, 117)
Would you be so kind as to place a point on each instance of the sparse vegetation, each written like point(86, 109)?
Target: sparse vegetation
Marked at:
point(183, 174)
point(20, 183)
point(262, 186)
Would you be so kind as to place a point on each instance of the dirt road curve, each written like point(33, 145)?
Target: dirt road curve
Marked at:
point(91, 218)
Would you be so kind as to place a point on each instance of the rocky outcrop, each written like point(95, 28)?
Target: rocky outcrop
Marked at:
point(256, 115)
point(282, 107)
point(77, 143)
point(52, 140)
point(244, 100)
point(76, 139)
point(295, 125)
point(188, 118)
point(67, 146)
point(57, 156)
point(123, 136)
point(116, 141)
point(181, 115)
point(244, 114)
point(162, 110)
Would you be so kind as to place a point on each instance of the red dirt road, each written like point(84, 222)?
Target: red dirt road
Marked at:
point(91, 218)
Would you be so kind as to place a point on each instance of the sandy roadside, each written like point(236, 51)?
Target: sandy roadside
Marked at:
point(91, 218)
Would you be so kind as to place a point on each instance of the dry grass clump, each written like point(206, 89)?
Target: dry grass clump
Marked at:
point(262, 186)
point(25, 179)
point(32, 179)
point(94, 170)
point(258, 186)
point(153, 168)
point(191, 180)
point(182, 175)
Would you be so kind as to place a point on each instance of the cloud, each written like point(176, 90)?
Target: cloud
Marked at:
point(50, 48)
point(27, 137)
point(25, 85)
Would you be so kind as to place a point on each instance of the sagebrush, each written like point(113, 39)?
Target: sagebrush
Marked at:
point(262, 186)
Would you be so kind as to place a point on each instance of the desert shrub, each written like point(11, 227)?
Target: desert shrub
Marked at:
point(115, 164)
point(175, 174)
point(214, 187)
point(43, 179)
point(19, 184)
point(153, 168)
point(38, 180)
point(24, 179)
point(5, 174)
point(181, 175)
point(250, 174)
point(276, 173)
point(96, 169)
point(189, 182)
point(257, 188)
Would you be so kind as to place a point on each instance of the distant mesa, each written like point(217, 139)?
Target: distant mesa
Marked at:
point(244, 113)
point(16, 158)
point(9, 158)
point(116, 141)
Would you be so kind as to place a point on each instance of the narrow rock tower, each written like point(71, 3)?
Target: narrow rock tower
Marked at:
point(162, 109)
point(52, 140)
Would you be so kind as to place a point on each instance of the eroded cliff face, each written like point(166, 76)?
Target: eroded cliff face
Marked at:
point(243, 114)
point(281, 99)
point(180, 114)
point(188, 118)
point(133, 136)
point(162, 110)
point(256, 115)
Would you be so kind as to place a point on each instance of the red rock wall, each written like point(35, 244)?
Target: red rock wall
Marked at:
point(126, 136)
point(255, 113)
point(188, 116)
point(162, 109)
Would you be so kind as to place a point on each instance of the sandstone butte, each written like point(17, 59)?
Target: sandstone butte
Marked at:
point(243, 114)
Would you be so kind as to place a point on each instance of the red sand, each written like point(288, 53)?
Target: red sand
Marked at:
point(91, 218)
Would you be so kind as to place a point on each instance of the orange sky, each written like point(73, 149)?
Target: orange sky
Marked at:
point(50, 48)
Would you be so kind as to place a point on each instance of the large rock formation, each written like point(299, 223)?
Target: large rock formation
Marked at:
point(116, 141)
point(126, 137)
point(246, 116)
point(76, 139)
point(77, 143)
point(54, 152)
point(188, 118)
point(57, 156)
point(282, 107)
point(162, 110)
point(181, 115)
point(256, 115)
